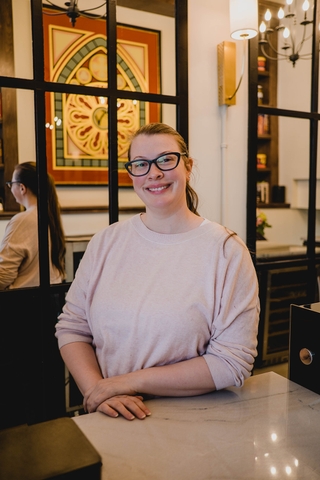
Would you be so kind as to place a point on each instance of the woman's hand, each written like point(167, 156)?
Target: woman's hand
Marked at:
point(106, 388)
point(113, 396)
point(130, 407)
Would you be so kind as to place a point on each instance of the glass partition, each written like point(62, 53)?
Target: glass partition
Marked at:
point(65, 119)
point(16, 59)
point(282, 182)
point(285, 83)
point(17, 137)
point(149, 45)
point(294, 85)
point(75, 47)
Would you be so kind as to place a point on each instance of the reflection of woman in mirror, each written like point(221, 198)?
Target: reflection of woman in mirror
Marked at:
point(19, 257)
point(164, 303)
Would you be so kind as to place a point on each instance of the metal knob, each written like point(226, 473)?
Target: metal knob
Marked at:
point(306, 356)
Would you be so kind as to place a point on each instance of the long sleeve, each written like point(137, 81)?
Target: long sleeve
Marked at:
point(19, 253)
point(19, 250)
point(145, 299)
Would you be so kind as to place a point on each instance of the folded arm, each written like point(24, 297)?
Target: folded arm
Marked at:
point(122, 393)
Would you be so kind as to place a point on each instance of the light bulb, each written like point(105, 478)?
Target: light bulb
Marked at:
point(286, 33)
point(267, 15)
point(289, 2)
point(263, 27)
point(305, 6)
point(281, 13)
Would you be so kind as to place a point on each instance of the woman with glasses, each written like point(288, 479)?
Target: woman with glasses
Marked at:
point(19, 258)
point(165, 303)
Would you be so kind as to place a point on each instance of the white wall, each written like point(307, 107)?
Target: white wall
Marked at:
point(209, 26)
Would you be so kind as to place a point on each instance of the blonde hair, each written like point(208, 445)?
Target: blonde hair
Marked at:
point(164, 129)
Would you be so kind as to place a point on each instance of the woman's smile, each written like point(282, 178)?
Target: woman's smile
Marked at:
point(157, 188)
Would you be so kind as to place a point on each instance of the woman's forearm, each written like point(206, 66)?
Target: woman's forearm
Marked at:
point(81, 362)
point(187, 378)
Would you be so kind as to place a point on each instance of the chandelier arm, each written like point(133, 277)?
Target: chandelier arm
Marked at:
point(55, 6)
point(273, 58)
point(94, 8)
point(53, 14)
point(303, 41)
point(300, 45)
point(272, 48)
point(91, 15)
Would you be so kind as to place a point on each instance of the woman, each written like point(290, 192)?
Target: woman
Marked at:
point(165, 303)
point(19, 257)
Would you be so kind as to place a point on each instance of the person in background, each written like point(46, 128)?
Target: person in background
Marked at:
point(164, 303)
point(19, 253)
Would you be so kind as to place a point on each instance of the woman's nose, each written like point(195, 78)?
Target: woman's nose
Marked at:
point(154, 171)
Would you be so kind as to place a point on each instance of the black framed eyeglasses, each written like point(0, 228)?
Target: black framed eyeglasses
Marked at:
point(9, 184)
point(167, 161)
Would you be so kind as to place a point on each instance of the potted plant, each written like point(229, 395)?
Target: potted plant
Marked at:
point(261, 224)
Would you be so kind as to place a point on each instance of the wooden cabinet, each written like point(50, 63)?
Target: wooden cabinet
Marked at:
point(267, 151)
point(2, 183)
point(8, 125)
point(9, 143)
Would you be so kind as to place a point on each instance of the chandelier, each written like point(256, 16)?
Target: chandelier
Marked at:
point(73, 12)
point(293, 37)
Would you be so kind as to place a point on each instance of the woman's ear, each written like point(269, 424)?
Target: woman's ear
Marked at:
point(189, 166)
point(23, 189)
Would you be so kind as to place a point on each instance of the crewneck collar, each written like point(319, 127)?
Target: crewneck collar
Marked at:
point(168, 238)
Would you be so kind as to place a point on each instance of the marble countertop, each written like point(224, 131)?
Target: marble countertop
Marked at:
point(268, 429)
point(267, 249)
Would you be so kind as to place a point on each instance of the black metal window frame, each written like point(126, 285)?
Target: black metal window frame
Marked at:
point(313, 116)
point(39, 86)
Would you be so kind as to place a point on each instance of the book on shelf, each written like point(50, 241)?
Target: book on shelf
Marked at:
point(263, 124)
point(263, 192)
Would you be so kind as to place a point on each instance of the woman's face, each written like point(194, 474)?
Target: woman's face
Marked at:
point(158, 189)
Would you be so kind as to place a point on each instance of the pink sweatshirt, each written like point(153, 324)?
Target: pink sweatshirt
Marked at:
point(145, 299)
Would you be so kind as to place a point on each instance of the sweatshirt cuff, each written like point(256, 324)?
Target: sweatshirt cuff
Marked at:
point(221, 374)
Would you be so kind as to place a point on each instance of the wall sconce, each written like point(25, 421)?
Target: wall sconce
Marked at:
point(243, 26)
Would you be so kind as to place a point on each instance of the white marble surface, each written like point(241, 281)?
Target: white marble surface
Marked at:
point(269, 429)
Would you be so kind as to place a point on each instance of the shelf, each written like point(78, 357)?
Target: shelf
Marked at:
point(273, 205)
point(263, 73)
point(265, 136)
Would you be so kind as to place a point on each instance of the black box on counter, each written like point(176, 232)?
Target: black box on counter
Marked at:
point(304, 350)
point(56, 449)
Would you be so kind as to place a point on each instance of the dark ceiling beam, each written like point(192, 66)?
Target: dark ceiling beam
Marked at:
point(161, 7)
